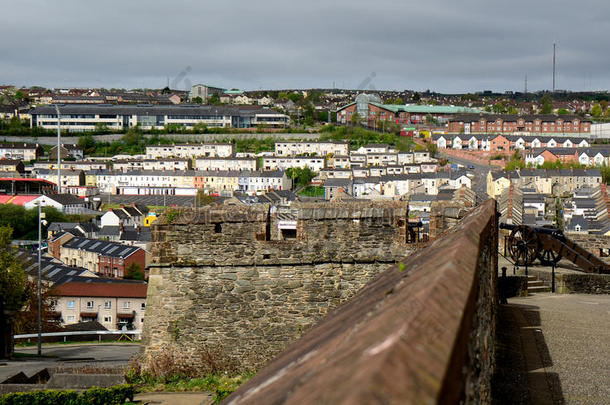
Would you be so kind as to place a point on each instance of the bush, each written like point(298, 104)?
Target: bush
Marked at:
point(95, 396)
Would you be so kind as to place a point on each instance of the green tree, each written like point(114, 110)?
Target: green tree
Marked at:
point(563, 111)
point(87, 143)
point(134, 272)
point(356, 119)
point(499, 107)
point(198, 100)
point(295, 97)
point(596, 111)
point(24, 223)
point(546, 104)
point(301, 176)
point(101, 128)
point(432, 149)
point(416, 97)
point(214, 99)
point(13, 289)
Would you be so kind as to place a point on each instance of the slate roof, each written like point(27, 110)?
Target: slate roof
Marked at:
point(143, 235)
point(52, 270)
point(104, 248)
point(109, 230)
point(346, 183)
point(66, 199)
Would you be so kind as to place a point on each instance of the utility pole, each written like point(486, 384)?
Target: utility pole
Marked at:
point(58, 149)
point(41, 216)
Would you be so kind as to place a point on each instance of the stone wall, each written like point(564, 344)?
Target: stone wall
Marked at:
point(570, 283)
point(421, 332)
point(595, 244)
point(232, 280)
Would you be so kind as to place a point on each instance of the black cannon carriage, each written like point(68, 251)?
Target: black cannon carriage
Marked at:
point(548, 245)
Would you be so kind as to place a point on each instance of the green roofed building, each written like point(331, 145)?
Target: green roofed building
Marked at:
point(410, 114)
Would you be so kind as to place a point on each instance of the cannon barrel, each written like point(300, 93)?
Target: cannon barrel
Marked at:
point(418, 224)
point(538, 229)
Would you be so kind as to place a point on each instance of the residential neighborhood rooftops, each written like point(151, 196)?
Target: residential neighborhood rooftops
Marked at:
point(104, 248)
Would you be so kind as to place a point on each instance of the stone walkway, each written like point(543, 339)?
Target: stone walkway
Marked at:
point(564, 355)
point(175, 398)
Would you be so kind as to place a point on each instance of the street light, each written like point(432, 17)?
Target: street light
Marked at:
point(41, 221)
point(58, 149)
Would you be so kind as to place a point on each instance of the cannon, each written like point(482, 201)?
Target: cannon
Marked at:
point(548, 245)
point(413, 231)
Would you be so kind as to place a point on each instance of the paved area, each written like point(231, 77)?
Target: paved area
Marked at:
point(74, 355)
point(565, 342)
point(175, 398)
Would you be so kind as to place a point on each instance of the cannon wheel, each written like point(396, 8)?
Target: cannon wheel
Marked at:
point(546, 255)
point(523, 245)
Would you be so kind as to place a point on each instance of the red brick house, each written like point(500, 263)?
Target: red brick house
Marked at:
point(509, 123)
point(106, 259)
point(500, 144)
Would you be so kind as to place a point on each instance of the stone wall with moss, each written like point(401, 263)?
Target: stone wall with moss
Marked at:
point(247, 281)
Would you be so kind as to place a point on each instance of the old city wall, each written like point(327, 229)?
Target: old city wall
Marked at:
point(419, 333)
point(599, 245)
point(243, 282)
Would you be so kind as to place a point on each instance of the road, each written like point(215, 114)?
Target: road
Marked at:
point(73, 355)
point(479, 182)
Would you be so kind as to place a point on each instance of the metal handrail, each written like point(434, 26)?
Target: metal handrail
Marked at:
point(91, 332)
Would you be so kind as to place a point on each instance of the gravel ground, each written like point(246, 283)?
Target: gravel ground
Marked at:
point(572, 333)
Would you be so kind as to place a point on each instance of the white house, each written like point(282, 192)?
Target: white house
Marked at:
point(316, 164)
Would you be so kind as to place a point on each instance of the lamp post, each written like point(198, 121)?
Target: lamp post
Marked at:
point(41, 216)
point(58, 149)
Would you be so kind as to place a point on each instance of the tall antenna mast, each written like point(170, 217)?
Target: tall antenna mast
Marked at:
point(553, 67)
point(525, 92)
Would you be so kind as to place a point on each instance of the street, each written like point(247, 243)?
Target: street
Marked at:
point(73, 355)
point(479, 182)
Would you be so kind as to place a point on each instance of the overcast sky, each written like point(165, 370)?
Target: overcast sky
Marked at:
point(442, 45)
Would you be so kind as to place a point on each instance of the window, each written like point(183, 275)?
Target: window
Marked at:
point(143, 306)
point(107, 319)
point(70, 318)
point(89, 304)
point(289, 234)
point(70, 304)
point(108, 304)
point(126, 305)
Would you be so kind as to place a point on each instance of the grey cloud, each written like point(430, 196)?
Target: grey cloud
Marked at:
point(441, 45)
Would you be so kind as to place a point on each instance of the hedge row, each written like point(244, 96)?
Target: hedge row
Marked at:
point(95, 396)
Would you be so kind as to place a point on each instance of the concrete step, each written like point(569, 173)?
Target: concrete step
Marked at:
point(534, 283)
point(538, 289)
